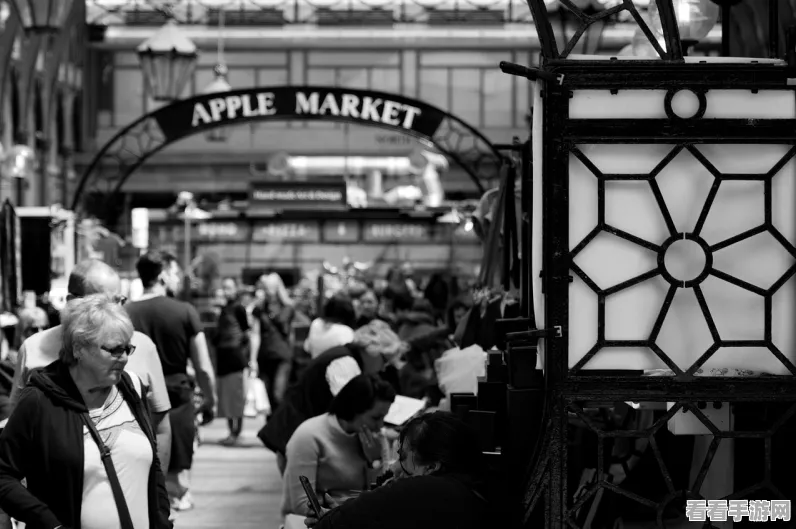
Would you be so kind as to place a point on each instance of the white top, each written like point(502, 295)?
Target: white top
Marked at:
point(132, 458)
point(323, 336)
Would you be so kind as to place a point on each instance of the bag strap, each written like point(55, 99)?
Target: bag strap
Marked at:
point(116, 487)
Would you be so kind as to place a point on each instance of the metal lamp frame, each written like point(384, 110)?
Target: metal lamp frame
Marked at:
point(570, 391)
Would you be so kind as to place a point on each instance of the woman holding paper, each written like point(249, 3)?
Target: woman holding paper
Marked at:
point(374, 347)
point(437, 483)
point(340, 451)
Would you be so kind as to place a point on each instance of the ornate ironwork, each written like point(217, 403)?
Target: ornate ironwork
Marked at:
point(279, 12)
point(660, 248)
point(101, 183)
point(639, 473)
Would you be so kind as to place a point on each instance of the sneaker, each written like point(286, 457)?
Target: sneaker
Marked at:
point(182, 504)
point(231, 440)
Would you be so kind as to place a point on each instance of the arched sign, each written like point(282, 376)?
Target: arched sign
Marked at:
point(131, 147)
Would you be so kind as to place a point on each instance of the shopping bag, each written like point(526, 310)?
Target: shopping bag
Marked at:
point(257, 402)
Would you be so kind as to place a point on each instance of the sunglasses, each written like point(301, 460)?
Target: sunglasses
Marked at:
point(120, 350)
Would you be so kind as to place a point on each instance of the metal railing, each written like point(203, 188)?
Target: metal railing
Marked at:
point(249, 13)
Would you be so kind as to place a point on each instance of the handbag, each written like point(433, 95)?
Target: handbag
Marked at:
point(105, 454)
point(256, 397)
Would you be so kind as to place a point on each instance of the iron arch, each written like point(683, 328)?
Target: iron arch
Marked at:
point(138, 141)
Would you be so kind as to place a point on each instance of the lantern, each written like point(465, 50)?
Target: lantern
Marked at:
point(42, 16)
point(695, 19)
point(219, 85)
point(168, 60)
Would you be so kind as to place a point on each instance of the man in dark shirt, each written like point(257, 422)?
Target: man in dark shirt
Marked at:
point(175, 328)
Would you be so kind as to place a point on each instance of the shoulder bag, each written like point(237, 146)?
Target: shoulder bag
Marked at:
point(110, 470)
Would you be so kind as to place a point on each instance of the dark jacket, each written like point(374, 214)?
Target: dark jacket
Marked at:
point(422, 502)
point(43, 442)
point(232, 339)
point(274, 333)
point(309, 397)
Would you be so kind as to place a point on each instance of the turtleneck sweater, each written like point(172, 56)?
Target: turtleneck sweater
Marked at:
point(331, 459)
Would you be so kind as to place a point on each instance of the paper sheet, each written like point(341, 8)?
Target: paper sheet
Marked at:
point(403, 409)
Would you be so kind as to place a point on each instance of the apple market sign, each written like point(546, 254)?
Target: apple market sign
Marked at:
point(135, 143)
point(294, 102)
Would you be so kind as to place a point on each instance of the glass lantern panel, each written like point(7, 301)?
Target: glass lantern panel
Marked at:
point(698, 258)
point(48, 15)
point(167, 75)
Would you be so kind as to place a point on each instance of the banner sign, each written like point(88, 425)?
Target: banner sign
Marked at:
point(221, 231)
point(365, 107)
point(283, 194)
point(287, 231)
point(341, 231)
point(381, 231)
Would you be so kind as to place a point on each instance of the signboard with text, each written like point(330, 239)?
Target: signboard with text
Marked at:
point(341, 231)
point(387, 231)
point(221, 231)
point(287, 231)
point(366, 107)
point(281, 194)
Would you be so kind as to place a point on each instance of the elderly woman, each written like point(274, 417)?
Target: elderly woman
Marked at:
point(436, 485)
point(337, 450)
point(80, 434)
point(374, 348)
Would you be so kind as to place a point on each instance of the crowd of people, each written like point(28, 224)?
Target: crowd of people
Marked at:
point(98, 401)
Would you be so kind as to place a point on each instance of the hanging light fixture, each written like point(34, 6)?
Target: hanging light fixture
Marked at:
point(42, 16)
point(168, 60)
point(219, 84)
point(695, 19)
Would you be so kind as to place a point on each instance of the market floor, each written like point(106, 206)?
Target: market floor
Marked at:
point(236, 487)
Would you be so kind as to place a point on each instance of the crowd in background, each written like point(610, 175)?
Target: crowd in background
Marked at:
point(331, 365)
point(332, 376)
point(288, 328)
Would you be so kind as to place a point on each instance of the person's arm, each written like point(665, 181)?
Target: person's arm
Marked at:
point(205, 377)
point(302, 460)
point(243, 317)
point(164, 505)
point(16, 458)
point(163, 433)
point(200, 357)
point(157, 397)
point(254, 340)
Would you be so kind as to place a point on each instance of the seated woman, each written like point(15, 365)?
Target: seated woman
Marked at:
point(373, 349)
point(337, 451)
point(72, 411)
point(436, 485)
